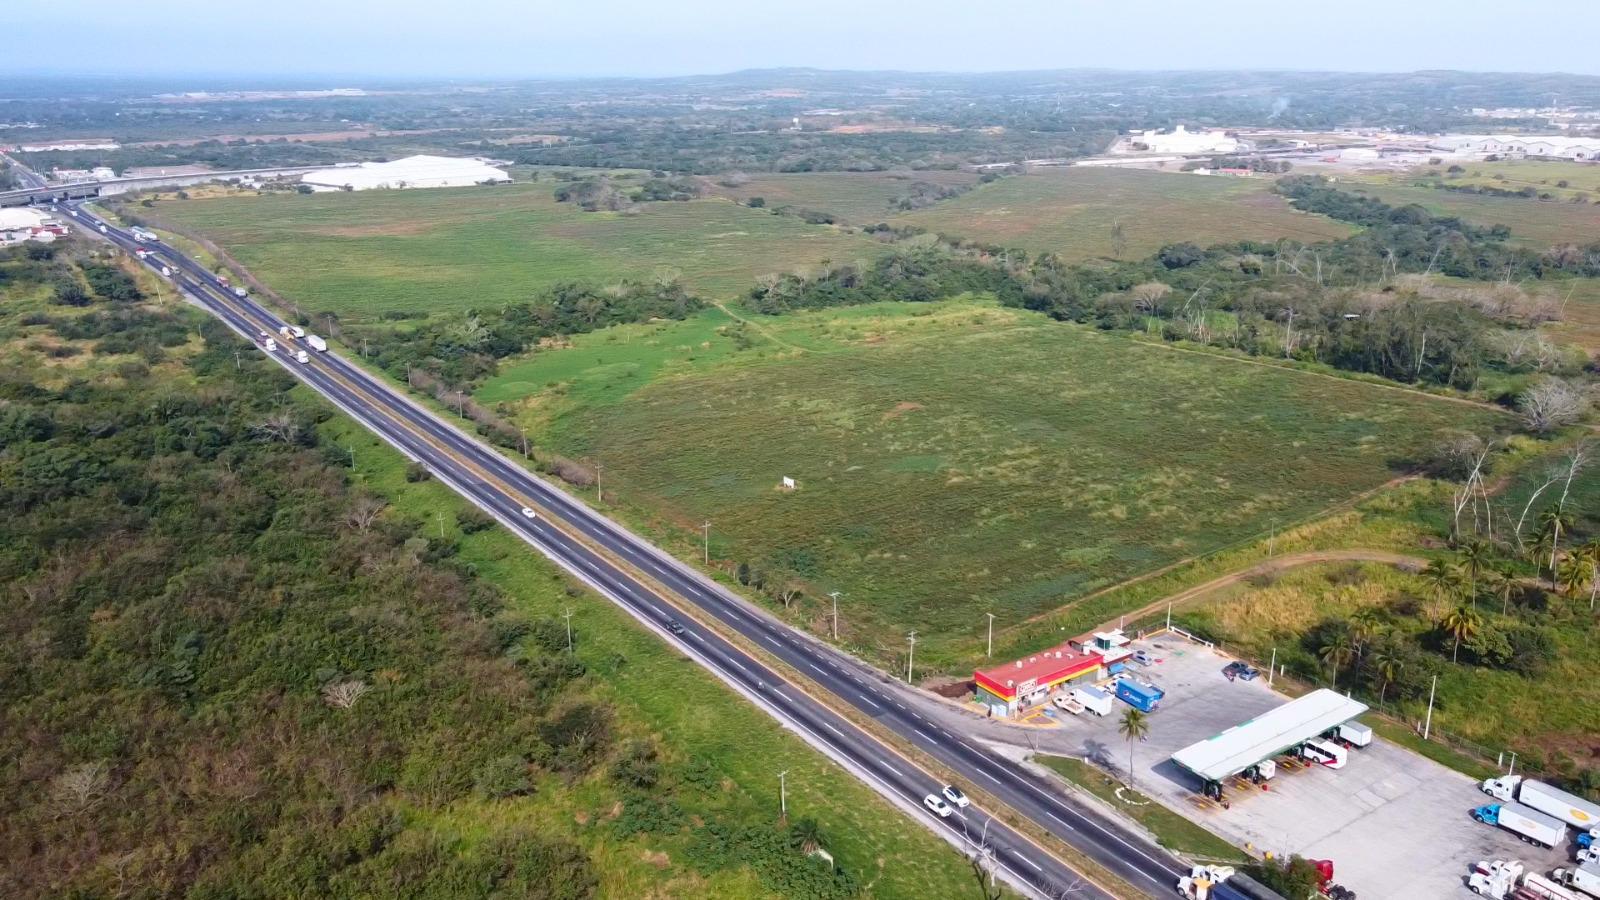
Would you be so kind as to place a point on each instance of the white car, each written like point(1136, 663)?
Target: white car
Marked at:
point(528, 513)
point(1067, 703)
point(937, 806)
point(954, 795)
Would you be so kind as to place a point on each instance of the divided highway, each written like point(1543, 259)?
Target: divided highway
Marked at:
point(646, 582)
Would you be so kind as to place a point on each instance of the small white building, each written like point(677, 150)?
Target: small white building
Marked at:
point(1536, 145)
point(411, 172)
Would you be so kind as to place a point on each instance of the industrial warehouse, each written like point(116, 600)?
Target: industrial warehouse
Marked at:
point(410, 172)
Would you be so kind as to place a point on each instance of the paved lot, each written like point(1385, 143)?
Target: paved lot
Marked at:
point(1395, 824)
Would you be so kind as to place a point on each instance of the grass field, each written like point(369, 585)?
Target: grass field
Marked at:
point(938, 482)
point(1544, 176)
point(861, 198)
point(1170, 829)
point(1070, 212)
point(359, 254)
point(1533, 223)
point(1579, 300)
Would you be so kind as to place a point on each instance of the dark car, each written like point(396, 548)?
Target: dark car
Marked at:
point(675, 626)
point(1239, 670)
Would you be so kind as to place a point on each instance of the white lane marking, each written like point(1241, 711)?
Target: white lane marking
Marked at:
point(988, 776)
point(1029, 862)
point(735, 663)
point(829, 726)
point(1058, 819)
point(772, 642)
point(893, 769)
point(927, 737)
point(816, 668)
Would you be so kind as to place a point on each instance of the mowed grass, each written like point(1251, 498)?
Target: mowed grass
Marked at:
point(973, 459)
point(1579, 301)
point(1534, 223)
point(1544, 176)
point(1070, 212)
point(447, 249)
point(861, 198)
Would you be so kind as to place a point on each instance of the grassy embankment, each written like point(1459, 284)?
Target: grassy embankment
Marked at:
point(1170, 829)
point(1070, 212)
point(860, 198)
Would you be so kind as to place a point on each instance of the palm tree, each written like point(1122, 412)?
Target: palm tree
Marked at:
point(1337, 651)
point(1551, 522)
point(1573, 572)
point(1591, 553)
point(1476, 554)
point(1460, 623)
point(1444, 577)
point(1387, 662)
point(1135, 726)
point(1365, 626)
point(1505, 584)
point(806, 835)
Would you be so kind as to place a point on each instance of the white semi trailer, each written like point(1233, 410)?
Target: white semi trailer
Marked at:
point(1569, 808)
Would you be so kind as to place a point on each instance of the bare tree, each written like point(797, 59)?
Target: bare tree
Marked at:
point(1550, 404)
point(80, 787)
point(344, 694)
point(1473, 490)
point(280, 426)
point(363, 512)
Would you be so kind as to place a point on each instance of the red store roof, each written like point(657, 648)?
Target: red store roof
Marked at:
point(1030, 672)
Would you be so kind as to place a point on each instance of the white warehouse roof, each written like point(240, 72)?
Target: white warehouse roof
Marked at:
point(1268, 734)
point(411, 172)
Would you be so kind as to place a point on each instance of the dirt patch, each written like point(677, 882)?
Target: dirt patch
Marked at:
point(900, 409)
point(656, 858)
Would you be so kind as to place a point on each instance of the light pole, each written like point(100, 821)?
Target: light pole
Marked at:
point(1272, 668)
point(705, 530)
point(835, 596)
point(461, 405)
point(1427, 724)
point(568, 616)
point(599, 494)
point(783, 795)
point(911, 654)
point(990, 650)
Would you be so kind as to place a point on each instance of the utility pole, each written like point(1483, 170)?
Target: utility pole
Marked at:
point(524, 445)
point(440, 517)
point(911, 654)
point(705, 529)
point(461, 405)
point(237, 362)
point(599, 494)
point(783, 794)
point(990, 651)
point(835, 596)
point(1272, 669)
point(352, 456)
point(1272, 537)
point(568, 616)
point(1427, 724)
point(329, 319)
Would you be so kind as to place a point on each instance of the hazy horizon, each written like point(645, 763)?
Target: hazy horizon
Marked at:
point(497, 39)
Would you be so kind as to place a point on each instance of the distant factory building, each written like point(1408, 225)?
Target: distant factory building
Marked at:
point(411, 172)
point(1536, 145)
point(1183, 141)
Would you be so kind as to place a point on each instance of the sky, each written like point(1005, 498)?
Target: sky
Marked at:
point(413, 39)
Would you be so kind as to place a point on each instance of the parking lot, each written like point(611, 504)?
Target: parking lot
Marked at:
point(1394, 823)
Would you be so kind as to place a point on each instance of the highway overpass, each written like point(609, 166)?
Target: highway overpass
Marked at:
point(56, 193)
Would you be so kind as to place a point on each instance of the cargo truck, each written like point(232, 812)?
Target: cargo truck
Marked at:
point(1223, 883)
point(241, 293)
point(1494, 879)
point(1351, 734)
point(317, 343)
point(1542, 888)
point(1569, 808)
point(1529, 824)
point(142, 236)
point(1585, 878)
point(1143, 697)
point(271, 345)
point(1093, 699)
point(303, 357)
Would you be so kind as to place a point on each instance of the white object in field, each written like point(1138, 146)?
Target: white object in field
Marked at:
point(788, 483)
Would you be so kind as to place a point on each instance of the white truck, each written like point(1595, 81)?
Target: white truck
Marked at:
point(1585, 877)
point(317, 343)
point(1093, 699)
point(241, 293)
point(1547, 888)
point(1494, 879)
point(302, 357)
point(1529, 824)
point(1569, 808)
point(271, 345)
point(144, 237)
point(1351, 734)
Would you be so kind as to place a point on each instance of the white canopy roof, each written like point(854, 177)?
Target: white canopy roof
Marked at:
point(1268, 734)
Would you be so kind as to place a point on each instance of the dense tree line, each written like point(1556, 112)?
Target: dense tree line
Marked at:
point(466, 348)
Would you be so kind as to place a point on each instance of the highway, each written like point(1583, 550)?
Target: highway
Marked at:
point(647, 583)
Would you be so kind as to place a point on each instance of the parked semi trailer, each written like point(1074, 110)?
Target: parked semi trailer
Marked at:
point(1529, 824)
point(1569, 808)
point(1585, 877)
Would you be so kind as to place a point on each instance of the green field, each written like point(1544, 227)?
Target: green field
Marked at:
point(1533, 223)
point(1070, 212)
point(1544, 176)
point(861, 198)
point(448, 249)
point(958, 458)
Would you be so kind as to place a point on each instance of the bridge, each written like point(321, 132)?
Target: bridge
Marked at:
point(57, 193)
